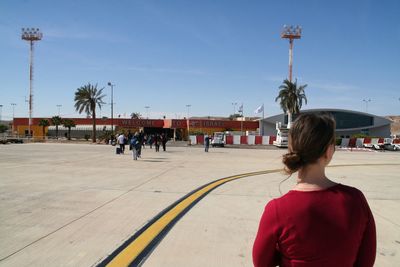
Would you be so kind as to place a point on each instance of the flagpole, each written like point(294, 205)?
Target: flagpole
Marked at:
point(241, 124)
point(261, 126)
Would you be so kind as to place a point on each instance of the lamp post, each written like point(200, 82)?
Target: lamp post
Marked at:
point(366, 104)
point(188, 121)
point(13, 108)
point(31, 35)
point(147, 111)
point(59, 107)
point(291, 33)
point(1, 109)
point(112, 108)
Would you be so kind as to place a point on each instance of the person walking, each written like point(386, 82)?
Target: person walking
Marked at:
point(121, 141)
point(140, 138)
point(129, 139)
point(318, 222)
point(206, 143)
point(135, 146)
point(144, 140)
point(164, 141)
point(151, 140)
point(157, 142)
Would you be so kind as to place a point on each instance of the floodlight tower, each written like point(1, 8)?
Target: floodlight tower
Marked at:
point(59, 107)
point(366, 104)
point(234, 107)
point(291, 33)
point(147, 111)
point(31, 35)
point(188, 121)
point(112, 108)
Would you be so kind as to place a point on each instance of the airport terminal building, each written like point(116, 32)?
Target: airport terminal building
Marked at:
point(173, 128)
point(348, 123)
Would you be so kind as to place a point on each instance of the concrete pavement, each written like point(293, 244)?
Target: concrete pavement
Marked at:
point(74, 204)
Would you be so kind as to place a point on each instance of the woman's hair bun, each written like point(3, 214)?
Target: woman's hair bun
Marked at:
point(292, 161)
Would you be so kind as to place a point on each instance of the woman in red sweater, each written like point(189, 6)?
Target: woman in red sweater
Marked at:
point(319, 222)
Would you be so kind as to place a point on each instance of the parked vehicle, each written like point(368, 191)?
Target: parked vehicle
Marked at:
point(282, 134)
point(391, 147)
point(373, 146)
point(218, 139)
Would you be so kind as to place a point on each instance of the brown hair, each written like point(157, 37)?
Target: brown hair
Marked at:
point(309, 138)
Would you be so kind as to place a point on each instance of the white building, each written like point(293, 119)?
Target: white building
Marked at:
point(348, 123)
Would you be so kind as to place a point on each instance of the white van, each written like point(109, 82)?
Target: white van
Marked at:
point(218, 139)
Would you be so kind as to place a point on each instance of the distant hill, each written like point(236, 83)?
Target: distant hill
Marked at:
point(395, 125)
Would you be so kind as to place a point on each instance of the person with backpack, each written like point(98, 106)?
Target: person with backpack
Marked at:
point(135, 143)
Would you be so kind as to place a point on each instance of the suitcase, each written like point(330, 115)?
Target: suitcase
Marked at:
point(118, 150)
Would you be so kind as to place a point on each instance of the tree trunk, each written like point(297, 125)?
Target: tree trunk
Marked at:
point(57, 131)
point(289, 125)
point(94, 125)
point(69, 133)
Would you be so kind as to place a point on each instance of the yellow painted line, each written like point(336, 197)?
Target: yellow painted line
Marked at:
point(129, 254)
point(126, 256)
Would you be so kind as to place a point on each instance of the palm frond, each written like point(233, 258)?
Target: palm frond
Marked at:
point(291, 97)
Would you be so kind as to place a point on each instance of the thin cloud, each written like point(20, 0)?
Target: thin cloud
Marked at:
point(274, 78)
point(166, 70)
point(66, 33)
point(333, 87)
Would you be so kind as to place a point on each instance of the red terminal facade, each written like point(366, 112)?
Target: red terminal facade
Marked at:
point(196, 126)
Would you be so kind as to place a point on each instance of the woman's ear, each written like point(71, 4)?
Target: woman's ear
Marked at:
point(329, 153)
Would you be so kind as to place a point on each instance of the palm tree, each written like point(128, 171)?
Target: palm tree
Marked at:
point(3, 128)
point(136, 115)
point(56, 120)
point(44, 123)
point(291, 98)
point(67, 123)
point(87, 98)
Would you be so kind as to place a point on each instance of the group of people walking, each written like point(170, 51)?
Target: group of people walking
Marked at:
point(139, 140)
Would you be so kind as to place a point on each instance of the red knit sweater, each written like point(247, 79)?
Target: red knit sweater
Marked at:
point(331, 227)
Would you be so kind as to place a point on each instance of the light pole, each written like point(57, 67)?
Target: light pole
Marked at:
point(59, 107)
point(291, 33)
point(188, 121)
point(366, 104)
point(112, 108)
point(147, 111)
point(1, 109)
point(13, 108)
point(31, 35)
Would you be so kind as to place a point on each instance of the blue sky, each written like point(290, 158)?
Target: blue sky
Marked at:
point(210, 54)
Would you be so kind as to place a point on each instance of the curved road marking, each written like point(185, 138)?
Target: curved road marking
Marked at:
point(136, 249)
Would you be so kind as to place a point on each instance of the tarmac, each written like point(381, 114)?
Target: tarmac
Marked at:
point(75, 204)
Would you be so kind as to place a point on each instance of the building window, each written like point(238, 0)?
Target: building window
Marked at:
point(345, 120)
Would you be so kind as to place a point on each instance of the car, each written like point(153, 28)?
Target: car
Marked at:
point(373, 146)
point(391, 147)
